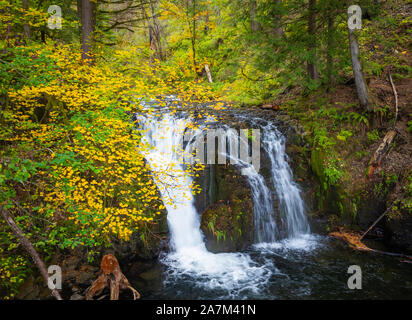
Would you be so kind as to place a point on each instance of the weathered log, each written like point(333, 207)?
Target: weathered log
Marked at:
point(380, 153)
point(112, 277)
point(29, 248)
point(209, 76)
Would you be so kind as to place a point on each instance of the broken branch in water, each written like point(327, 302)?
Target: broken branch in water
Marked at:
point(354, 241)
point(375, 223)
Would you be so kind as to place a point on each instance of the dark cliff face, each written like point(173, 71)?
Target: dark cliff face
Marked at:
point(400, 233)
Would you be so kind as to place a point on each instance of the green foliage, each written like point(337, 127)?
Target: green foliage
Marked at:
point(220, 235)
point(359, 118)
point(373, 136)
point(22, 66)
point(13, 270)
point(333, 172)
point(344, 135)
point(321, 138)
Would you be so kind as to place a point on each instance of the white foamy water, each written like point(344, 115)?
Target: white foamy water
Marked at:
point(303, 242)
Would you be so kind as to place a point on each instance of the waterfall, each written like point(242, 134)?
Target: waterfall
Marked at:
point(292, 213)
point(232, 272)
point(290, 201)
point(264, 222)
point(164, 137)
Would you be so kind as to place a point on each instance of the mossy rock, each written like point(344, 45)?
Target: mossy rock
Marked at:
point(227, 222)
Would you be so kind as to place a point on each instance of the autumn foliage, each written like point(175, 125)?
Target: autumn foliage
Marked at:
point(73, 171)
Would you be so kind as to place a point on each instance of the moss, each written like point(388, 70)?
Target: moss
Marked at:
point(226, 226)
point(228, 221)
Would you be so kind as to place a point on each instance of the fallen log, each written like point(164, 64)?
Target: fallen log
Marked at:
point(354, 241)
point(380, 153)
point(112, 277)
point(383, 148)
point(29, 248)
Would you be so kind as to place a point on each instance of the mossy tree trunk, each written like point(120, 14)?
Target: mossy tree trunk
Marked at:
point(361, 87)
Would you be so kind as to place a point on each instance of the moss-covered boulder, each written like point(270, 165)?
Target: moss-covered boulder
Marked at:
point(227, 220)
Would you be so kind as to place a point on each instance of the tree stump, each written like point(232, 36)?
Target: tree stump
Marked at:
point(112, 277)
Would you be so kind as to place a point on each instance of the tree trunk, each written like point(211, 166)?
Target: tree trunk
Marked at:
point(29, 248)
point(329, 49)
point(156, 34)
point(206, 29)
point(192, 28)
point(25, 4)
point(311, 66)
point(278, 31)
point(361, 86)
point(254, 25)
point(88, 23)
point(208, 74)
point(111, 276)
point(79, 16)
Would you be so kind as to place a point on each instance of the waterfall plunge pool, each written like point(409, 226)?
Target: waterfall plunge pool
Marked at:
point(302, 265)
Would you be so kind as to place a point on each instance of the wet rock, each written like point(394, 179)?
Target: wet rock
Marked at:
point(137, 267)
point(86, 275)
point(29, 290)
point(71, 262)
point(69, 275)
point(76, 296)
point(227, 221)
point(147, 249)
point(400, 231)
point(151, 274)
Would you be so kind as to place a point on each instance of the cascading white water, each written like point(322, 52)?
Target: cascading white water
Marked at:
point(290, 201)
point(232, 272)
point(291, 205)
point(174, 185)
point(264, 222)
